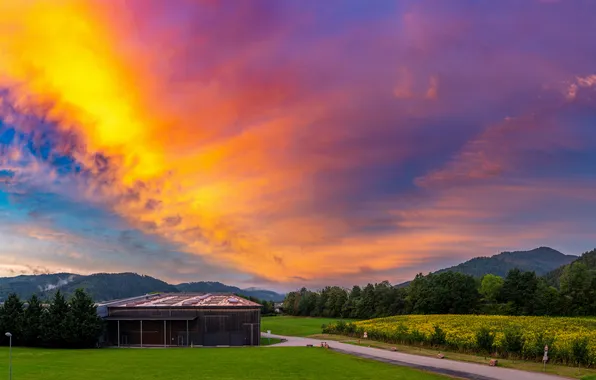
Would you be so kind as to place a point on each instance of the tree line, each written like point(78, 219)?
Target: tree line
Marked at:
point(519, 293)
point(268, 306)
point(61, 323)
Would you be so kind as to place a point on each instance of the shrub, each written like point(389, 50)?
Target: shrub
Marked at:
point(513, 341)
point(340, 327)
point(350, 328)
point(580, 351)
point(438, 337)
point(485, 340)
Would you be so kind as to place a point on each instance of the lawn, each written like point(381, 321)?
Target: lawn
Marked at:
point(269, 341)
point(205, 363)
point(295, 326)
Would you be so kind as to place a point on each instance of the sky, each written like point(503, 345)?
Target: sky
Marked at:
point(282, 143)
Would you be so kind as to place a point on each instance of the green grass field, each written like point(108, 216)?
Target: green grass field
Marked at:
point(295, 326)
point(205, 363)
point(269, 341)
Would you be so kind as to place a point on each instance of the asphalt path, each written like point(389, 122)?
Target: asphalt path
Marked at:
point(454, 368)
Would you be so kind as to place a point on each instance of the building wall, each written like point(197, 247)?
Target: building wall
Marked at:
point(210, 327)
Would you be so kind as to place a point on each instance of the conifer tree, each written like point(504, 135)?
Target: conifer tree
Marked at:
point(11, 318)
point(33, 319)
point(54, 333)
point(82, 325)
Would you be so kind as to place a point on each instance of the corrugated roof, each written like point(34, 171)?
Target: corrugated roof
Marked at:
point(144, 318)
point(182, 300)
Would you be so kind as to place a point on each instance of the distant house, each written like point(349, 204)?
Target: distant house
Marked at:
point(181, 319)
point(278, 307)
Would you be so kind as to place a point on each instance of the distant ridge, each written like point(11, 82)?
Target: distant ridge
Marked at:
point(588, 259)
point(541, 260)
point(109, 286)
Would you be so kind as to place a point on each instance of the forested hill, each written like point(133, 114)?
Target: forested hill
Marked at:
point(109, 286)
point(588, 259)
point(540, 260)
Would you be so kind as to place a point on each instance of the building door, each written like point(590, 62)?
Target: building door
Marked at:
point(250, 338)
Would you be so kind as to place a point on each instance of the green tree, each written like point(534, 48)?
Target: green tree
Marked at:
point(54, 332)
point(519, 290)
point(443, 293)
point(336, 299)
point(576, 287)
point(350, 309)
point(490, 287)
point(33, 319)
point(290, 304)
point(82, 325)
point(419, 295)
point(366, 306)
point(547, 300)
point(11, 318)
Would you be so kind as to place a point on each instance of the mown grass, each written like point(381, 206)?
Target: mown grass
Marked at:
point(295, 326)
point(205, 363)
point(269, 341)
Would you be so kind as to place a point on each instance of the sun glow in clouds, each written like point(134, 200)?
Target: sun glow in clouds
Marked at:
point(235, 135)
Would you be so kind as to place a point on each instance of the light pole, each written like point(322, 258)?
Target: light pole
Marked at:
point(9, 335)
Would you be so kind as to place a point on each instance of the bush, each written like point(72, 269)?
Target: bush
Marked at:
point(580, 351)
point(438, 337)
point(350, 328)
point(340, 327)
point(513, 341)
point(485, 340)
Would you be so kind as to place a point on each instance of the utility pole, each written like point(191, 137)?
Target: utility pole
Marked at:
point(9, 335)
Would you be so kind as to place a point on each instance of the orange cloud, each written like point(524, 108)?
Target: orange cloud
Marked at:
point(207, 174)
point(208, 149)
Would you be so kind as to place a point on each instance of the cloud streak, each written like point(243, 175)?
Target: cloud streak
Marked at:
point(283, 142)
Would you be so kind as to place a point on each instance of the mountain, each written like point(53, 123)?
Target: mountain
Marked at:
point(218, 287)
point(540, 260)
point(109, 286)
point(588, 258)
point(26, 285)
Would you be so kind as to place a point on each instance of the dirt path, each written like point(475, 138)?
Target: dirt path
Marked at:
point(464, 370)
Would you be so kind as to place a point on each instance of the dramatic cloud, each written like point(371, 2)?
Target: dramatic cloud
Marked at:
point(274, 143)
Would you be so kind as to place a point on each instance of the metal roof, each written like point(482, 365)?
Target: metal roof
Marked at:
point(181, 300)
point(150, 318)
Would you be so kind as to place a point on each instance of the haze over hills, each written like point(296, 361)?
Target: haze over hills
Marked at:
point(541, 260)
point(108, 286)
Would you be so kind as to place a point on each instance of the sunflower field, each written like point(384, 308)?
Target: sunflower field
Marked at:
point(571, 341)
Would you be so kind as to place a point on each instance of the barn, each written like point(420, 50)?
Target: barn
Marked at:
point(181, 319)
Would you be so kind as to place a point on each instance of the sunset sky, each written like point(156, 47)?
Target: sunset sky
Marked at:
point(281, 143)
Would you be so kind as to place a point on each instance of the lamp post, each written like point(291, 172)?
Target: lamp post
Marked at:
point(9, 335)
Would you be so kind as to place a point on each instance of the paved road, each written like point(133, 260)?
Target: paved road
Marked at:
point(449, 367)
